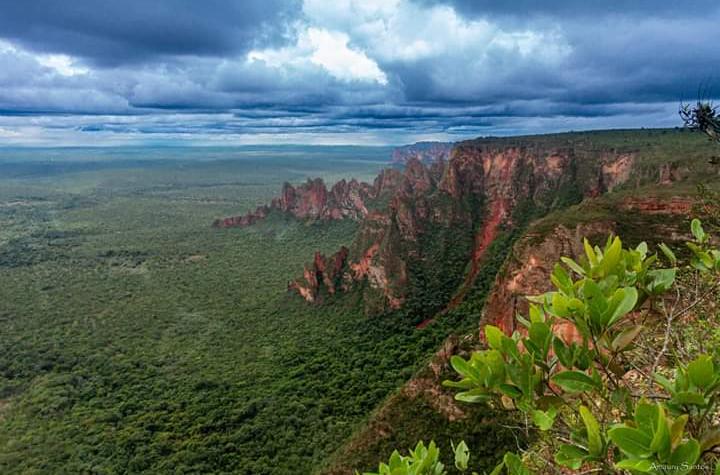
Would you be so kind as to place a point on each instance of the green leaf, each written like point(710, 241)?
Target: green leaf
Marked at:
point(571, 456)
point(494, 367)
point(686, 454)
point(544, 419)
point(563, 353)
point(625, 299)
point(560, 305)
point(595, 443)
point(590, 253)
point(633, 442)
point(664, 382)
point(494, 336)
point(474, 396)
point(611, 256)
point(689, 398)
point(573, 265)
point(668, 253)
point(703, 261)
point(464, 384)
point(498, 468)
point(661, 438)
point(536, 313)
point(702, 371)
point(465, 368)
point(396, 460)
point(561, 280)
point(677, 429)
point(646, 416)
point(510, 390)
point(645, 466)
point(626, 337)
point(574, 381)
point(514, 464)
point(662, 280)
point(697, 230)
point(541, 334)
point(462, 455)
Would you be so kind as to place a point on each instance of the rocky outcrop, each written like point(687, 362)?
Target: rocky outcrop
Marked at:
point(313, 201)
point(425, 230)
point(681, 205)
point(426, 152)
point(376, 256)
point(323, 274)
point(526, 272)
point(671, 172)
point(245, 220)
point(616, 170)
point(528, 268)
point(467, 201)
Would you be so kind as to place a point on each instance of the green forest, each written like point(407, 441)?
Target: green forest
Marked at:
point(136, 338)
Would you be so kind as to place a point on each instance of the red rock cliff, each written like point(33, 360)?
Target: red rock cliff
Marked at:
point(313, 201)
point(528, 268)
point(452, 195)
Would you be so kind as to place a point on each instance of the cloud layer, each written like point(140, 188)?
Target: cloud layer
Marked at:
point(345, 71)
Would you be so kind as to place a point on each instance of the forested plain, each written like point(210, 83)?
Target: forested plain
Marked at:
point(136, 338)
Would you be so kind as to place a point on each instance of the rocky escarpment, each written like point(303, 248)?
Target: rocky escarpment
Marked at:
point(426, 152)
point(324, 271)
point(384, 236)
point(441, 220)
point(527, 270)
point(426, 231)
point(314, 201)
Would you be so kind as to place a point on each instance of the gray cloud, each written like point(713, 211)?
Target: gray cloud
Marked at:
point(346, 70)
point(107, 32)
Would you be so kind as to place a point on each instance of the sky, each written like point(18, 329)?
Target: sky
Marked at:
point(371, 72)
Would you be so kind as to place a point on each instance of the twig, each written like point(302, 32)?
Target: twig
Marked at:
point(666, 341)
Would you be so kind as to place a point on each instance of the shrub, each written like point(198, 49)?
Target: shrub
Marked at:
point(598, 400)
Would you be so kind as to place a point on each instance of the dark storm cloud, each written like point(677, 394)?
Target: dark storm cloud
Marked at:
point(111, 32)
point(415, 68)
point(637, 51)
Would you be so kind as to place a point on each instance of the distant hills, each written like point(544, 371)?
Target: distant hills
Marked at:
point(426, 152)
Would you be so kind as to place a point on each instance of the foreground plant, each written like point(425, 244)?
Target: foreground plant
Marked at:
point(702, 117)
point(598, 402)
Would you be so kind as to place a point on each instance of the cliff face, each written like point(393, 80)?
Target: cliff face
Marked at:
point(313, 201)
point(461, 205)
point(527, 271)
point(325, 272)
point(633, 191)
point(385, 239)
point(425, 231)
